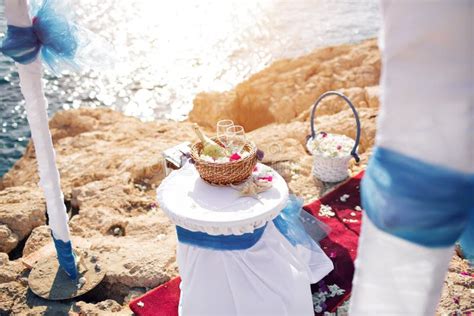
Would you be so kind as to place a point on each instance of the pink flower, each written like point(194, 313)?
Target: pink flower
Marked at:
point(339, 147)
point(234, 157)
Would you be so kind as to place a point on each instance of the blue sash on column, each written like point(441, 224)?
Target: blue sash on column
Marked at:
point(420, 202)
point(219, 242)
point(298, 227)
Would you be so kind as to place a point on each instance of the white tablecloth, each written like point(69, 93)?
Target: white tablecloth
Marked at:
point(271, 278)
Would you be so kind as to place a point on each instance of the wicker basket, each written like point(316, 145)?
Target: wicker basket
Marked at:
point(227, 173)
point(333, 169)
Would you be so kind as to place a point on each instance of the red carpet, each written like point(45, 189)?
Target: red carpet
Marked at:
point(340, 246)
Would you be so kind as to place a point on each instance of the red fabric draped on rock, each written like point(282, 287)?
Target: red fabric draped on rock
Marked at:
point(161, 301)
point(340, 246)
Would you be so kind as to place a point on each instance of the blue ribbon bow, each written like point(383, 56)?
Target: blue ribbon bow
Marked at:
point(51, 35)
point(298, 226)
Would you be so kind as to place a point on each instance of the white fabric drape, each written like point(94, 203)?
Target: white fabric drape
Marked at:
point(271, 278)
point(16, 12)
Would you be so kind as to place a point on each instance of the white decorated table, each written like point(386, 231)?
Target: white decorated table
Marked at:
point(232, 258)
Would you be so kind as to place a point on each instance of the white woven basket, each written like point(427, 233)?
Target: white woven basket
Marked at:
point(332, 169)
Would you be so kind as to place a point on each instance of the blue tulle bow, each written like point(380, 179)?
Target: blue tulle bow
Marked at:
point(300, 227)
point(52, 35)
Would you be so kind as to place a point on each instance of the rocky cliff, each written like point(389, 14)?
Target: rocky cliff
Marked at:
point(110, 165)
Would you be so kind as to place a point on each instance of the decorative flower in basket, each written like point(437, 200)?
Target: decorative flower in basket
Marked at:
point(332, 152)
point(222, 171)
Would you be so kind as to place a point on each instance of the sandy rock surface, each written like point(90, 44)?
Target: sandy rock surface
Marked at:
point(458, 291)
point(111, 164)
point(22, 208)
point(288, 87)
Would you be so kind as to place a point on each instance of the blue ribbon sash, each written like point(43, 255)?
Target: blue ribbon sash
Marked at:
point(219, 242)
point(296, 225)
point(419, 202)
point(21, 44)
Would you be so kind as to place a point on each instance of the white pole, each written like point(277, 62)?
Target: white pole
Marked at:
point(16, 12)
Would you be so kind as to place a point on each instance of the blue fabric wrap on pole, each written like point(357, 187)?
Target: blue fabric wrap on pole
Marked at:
point(291, 223)
point(51, 34)
point(66, 257)
point(419, 202)
point(21, 44)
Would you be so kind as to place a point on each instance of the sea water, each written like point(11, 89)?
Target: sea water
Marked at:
point(167, 51)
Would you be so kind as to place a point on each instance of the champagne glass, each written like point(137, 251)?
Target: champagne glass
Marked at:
point(222, 127)
point(237, 139)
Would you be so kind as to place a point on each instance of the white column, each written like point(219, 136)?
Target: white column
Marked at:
point(16, 12)
point(396, 277)
point(427, 113)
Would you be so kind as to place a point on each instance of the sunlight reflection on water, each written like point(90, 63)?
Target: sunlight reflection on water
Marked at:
point(168, 51)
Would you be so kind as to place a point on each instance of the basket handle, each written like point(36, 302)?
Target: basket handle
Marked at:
point(313, 111)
